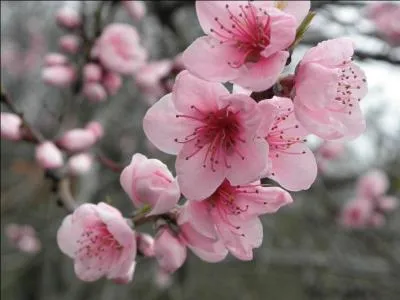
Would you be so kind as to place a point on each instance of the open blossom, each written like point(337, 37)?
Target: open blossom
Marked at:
point(328, 87)
point(231, 215)
point(118, 49)
point(246, 43)
point(213, 133)
point(169, 251)
point(100, 241)
point(10, 126)
point(68, 17)
point(135, 8)
point(149, 182)
point(48, 156)
point(288, 152)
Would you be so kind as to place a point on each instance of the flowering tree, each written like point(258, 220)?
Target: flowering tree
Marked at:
point(233, 112)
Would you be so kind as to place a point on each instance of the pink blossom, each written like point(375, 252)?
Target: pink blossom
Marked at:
point(387, 203)
point(69, 43)
point(246, 43)
point(331, 150)
point(373, 184)
point(149, 77)
point(118, 49)
point(212, 132)
point(136, 9)
point(23, 237)
point(356, 213)
point(92, 72)
point(169, 251)
point(78, 139)
point(59, 75)
point(80, 163)
point(385, 16)
point(328, 88)
point(100, 241)
point(68, 17)
point(10, 126)
point(149, 182)
point(96, 128)
point(48, 156)
point(94, 92)
point(288, 152)
point(231, 215)
point(54, 59)
point(145, 244)
point(112, 82)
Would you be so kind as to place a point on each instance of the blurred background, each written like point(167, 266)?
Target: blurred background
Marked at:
point(307, 252)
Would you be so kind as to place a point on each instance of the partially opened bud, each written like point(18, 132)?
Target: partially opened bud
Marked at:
point(69, 43)
point(112, 82)
point(169, 251)
point(94, 92)
point(48, 156)
point(77, 140)
point(68, 17)
point(58, 75)
point(54, 59)
point(80, 163)
point(11, 126)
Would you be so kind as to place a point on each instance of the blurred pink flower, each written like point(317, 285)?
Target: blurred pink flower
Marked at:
point(328, 88)
point(246, 43)
point(54, 59)
point(213, 133)
point(118, 49)
point(69, 43)
point(169, 251)
point(100, 241)
point(23, 237)
point(112, 82)
point(94, 92)
point(92, 72)
point(136, 9)
point(80, 164)
point(78, 139)
point(385, 16)
point(145, 244)
point(68, 17)
point(231, 215)
point(288, 153)
point(356, 213)
point(96, 128)
point(330, 150)
point(162, 279)
point(149, 182)
point(10, 126)
point(59, 75)
point(372, 184)
point(48, 156)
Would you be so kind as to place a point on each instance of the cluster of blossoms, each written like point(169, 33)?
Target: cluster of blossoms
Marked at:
point(371, 204)
point(225, 142)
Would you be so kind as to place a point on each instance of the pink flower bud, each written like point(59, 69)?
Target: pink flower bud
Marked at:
point(23, 237)
point(96, 128)
point(149, 182)
point(48, 156)
point(59, 76)
point(29, 244)
point(118, 49)
point(372, 184)
point(68, 17)
point(94, 92)
point(77, 140)
point(112, 82)
point(100, 241)
point(69, 43)
point(169, 251)
point(136, 9)
point(92, 72)
point(80, 163)
point(145, 244)
point(10, 126)
point(356, 213)
point(53, 59)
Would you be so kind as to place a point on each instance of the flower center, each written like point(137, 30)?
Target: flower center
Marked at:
point(218, 132)
point(248, 30)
